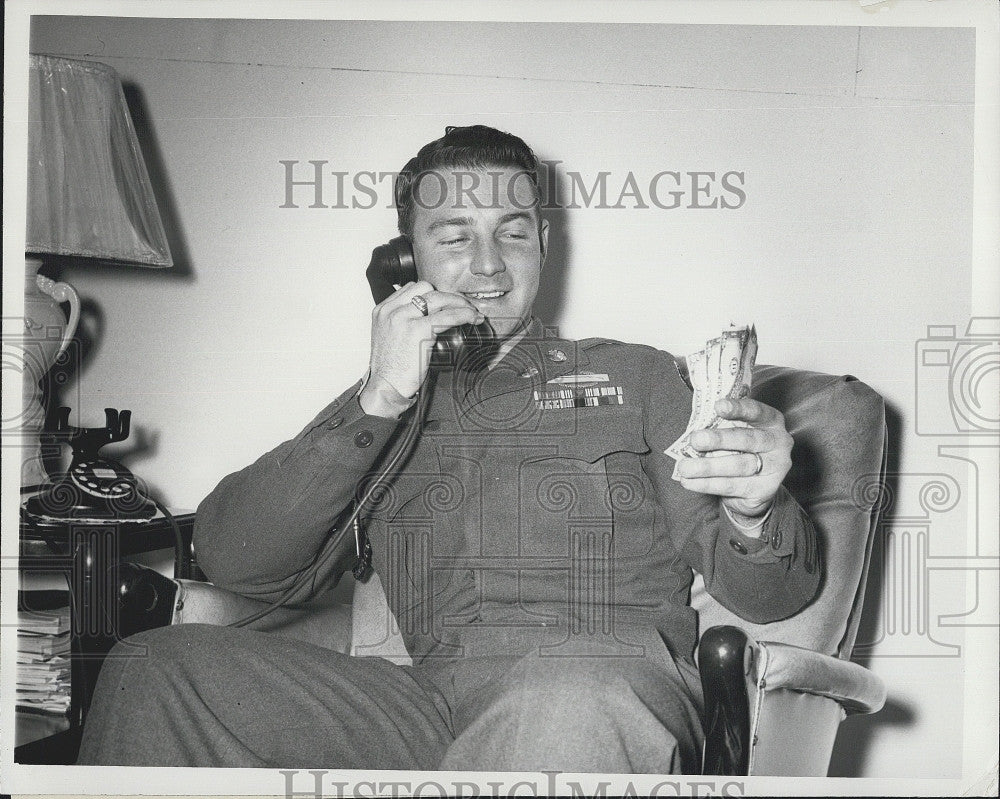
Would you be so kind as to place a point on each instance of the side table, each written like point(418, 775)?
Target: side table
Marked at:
point(87, 553)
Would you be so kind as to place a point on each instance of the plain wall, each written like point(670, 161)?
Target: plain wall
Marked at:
point(856, 148)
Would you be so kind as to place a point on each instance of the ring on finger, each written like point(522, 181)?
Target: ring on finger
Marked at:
point(421, 304)
point(760, 464)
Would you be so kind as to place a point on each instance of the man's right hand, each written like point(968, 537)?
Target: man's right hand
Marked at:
point(402, 338)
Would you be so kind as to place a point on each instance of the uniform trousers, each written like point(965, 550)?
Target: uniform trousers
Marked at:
point(200, 695)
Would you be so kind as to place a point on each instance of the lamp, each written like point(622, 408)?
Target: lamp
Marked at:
point(89, 196)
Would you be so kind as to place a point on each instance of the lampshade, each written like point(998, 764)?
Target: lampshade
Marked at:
point(88, 190)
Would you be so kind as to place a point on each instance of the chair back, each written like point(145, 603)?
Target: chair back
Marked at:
point(838, 466)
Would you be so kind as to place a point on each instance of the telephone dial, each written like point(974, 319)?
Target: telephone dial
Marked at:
point(393, 265)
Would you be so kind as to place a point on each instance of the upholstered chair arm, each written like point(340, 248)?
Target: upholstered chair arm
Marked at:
point(855, 688)
point(147, 599)
point(773, 709)
point(321, 623)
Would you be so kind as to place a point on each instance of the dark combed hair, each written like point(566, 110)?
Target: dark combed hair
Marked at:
point(475, 147)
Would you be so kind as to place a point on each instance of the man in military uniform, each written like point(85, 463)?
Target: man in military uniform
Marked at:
point(533, 546)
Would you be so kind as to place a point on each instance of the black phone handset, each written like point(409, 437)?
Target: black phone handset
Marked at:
point(393, 265)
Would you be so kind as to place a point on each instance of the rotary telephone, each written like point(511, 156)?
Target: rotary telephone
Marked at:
point(94, 487)
point(393, 265)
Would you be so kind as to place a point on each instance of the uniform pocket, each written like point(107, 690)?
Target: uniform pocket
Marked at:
point(406, 523)
point(591, 476)
point(590, 434)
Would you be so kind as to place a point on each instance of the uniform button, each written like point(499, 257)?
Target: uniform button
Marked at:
point(776, 539)
point(363, 439)
point(737, 546)
point(335, 423)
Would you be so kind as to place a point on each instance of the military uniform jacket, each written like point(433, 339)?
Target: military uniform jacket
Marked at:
point(537, 498)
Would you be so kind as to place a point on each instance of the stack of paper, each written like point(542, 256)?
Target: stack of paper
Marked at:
point(43, 665)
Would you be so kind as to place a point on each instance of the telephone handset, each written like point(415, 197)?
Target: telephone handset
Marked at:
point(393, 265)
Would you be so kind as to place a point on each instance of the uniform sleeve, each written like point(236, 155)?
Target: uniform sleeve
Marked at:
point(261, 526)
point(760, 579)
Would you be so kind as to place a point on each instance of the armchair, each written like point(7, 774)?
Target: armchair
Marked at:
point(791, 683)
point(774, 693)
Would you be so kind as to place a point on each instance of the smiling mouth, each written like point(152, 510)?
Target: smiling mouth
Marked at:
point(484, 295)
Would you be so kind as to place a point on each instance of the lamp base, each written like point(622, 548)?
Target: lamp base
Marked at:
point(47, 334)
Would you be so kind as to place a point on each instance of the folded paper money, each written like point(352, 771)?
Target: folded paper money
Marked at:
point(723, 369)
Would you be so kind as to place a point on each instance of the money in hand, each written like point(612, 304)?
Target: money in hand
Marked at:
point(722, 370)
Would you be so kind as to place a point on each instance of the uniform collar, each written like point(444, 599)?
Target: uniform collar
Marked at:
point(508, 344)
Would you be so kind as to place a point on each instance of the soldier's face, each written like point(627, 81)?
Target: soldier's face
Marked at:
point(478, 233)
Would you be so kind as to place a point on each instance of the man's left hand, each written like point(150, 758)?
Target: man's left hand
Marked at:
point(729, 471)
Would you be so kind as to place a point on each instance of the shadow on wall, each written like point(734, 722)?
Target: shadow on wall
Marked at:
point(551, 291)
point(160, 179)
point(61, 388)
point(64, 380)
point(868, 629)
point(859, 733)
point(61, 385)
